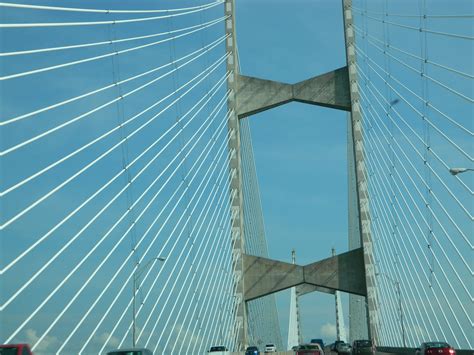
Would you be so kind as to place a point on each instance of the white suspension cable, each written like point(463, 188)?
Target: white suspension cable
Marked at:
point(102, 56)
point(446, 299)
point(143, 256)
point(109, 22)
point(386, 208)
point(103, 11)
point(209, 314)
point(220, 155)
point(84, 259)
point(427, 103)
point(172, 273)
point(164, 246)
point(123, 264)
point(434, 16)
point(213, 251)
point(191, 213)
point(447, 258)
point(425, 75)
point(95, 44)
point(414, 284)
point(447, 279)
point(104, 260)
point(98, 108)
point(421, 29)
point(212, 281)
point(427, 185)
point(413, 108)
point(424, 144)
point(25, 285)
point(98, 139)
point(51, 192)
point(425, 60)
point(73, 99)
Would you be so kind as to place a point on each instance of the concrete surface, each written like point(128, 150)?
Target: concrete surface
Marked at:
point(256, 95)
point(343, 272)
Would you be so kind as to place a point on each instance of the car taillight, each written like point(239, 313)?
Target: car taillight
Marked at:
point(452, 351)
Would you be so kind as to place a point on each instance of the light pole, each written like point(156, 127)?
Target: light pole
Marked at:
point(397, 286)
point(136, 275)
point(455, 171)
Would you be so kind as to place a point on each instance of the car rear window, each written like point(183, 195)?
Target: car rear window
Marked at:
point(218, 348)
point(437, 345)
point(365, 343)
point(9, 351)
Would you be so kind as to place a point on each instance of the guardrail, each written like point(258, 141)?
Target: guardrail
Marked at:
point(412, 351)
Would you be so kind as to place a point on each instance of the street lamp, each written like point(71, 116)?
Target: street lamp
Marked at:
point(397, 285)
point(136, 275)
point(455, 171)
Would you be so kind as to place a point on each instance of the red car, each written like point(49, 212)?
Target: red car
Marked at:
point(309, 349)
point(15, 349)
point(435, 348)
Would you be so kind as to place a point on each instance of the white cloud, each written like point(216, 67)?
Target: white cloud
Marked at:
point(328, 330)
point(45, 346)
point(101, 339)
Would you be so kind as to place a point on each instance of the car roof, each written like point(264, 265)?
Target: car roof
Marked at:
point(144, 350)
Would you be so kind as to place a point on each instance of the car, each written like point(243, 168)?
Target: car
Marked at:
point(435, 348)
point(318, 341)
point(252, 350)
point(219, 349)
point(362, 347)
point(306, 349)
point(270, 348)
point(15, 349)
point(131, 351)
point(341, 347)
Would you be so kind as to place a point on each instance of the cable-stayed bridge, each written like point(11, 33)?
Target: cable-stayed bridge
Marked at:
point(130, 204)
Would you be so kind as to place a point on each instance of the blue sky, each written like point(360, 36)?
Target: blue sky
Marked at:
point(300, 150)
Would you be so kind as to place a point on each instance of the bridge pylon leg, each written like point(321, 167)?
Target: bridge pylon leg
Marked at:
point(361, 183)
point(236, 193)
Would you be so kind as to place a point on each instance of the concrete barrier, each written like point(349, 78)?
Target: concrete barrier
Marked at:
point(412, 351)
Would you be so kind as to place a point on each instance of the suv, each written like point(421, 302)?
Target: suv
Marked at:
point(360, 347)
point(270, 348)
point(318, 341)
point(342, 347)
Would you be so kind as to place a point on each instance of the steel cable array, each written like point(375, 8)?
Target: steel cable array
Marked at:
point(416, 103)
point(116, 179)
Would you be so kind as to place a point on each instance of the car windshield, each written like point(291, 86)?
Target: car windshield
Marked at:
point(139, 352)
point(253, 348)
point(218, 348)
point(437, 345)
point(364, 343)
point(270, 345)
point(308, 347)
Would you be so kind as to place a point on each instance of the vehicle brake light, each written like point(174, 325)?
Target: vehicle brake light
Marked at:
point(452, 351)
